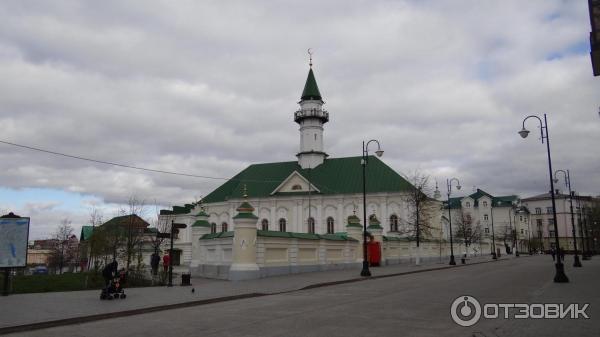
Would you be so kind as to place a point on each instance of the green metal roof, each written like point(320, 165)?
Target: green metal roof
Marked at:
point(218, 235)
point(501, 201)
point(86, 233)
point(334, 176)
point(311, 90)
point(126, 220)
point(201, 223)
point(177, 210)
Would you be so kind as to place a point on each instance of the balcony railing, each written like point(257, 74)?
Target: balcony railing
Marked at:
point(317, 113)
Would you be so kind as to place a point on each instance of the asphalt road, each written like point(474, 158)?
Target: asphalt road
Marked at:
point(408, 305)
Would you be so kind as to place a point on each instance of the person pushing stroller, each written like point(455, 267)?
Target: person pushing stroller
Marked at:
point(114, 282)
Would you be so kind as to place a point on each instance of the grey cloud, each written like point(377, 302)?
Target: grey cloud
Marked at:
point(208, 88)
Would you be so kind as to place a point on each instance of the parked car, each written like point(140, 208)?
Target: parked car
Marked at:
point(40, 270)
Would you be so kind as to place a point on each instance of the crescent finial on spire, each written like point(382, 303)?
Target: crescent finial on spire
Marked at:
point(310, 53)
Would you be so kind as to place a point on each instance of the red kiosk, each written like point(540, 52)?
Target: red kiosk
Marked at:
point(373, 252)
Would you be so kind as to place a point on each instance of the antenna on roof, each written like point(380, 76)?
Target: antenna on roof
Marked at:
point(310, 53)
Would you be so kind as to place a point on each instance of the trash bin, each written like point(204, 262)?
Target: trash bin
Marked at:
point(185, 279)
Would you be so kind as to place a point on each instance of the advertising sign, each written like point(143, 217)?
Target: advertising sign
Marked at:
point(14, 234)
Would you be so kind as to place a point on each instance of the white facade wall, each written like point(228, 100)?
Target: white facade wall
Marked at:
point(294, 209)
point(541, 220)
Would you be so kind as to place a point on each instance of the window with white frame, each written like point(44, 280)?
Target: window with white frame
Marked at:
point(311, 225)
point(393, 223)
point(330, 225)
point(282, 224)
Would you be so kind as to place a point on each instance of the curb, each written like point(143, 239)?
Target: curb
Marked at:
point(132, 312)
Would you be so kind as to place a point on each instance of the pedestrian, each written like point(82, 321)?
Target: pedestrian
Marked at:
point(166, 261)
point(109, 271)
point(154, 262)
point(553, 252)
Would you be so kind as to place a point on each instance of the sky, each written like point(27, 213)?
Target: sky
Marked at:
point(209, 87)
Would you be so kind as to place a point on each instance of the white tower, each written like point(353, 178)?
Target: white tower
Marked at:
point(311, 118)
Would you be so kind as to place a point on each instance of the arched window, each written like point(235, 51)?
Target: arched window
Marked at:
point(393, 223)
point(468, 218)
point(224, 227)
point(330, 225)
point(485, 217)
point(296, 187)
point(282, 224)
point(485, 204)
point(264, 225)
point(311, 225)
point(213, 228)
point(467, 204)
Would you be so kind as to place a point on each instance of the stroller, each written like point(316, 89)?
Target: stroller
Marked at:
point(115, 288)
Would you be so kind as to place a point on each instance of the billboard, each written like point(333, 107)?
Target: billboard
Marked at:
point(14, 233)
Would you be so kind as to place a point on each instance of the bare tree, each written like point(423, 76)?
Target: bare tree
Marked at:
point(467, 230)
point(161, 226)
point(96, 217)
point(418, 223)
point(62, 252)
point(134, 231)
point(591, 224)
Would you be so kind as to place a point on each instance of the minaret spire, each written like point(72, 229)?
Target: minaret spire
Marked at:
point(311, 118)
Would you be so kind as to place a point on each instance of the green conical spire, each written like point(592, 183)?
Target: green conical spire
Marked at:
point(311, 90)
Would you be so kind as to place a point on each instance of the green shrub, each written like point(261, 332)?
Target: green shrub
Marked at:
point(22, 284)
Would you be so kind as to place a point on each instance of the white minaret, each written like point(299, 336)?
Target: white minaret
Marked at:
point(311, 118)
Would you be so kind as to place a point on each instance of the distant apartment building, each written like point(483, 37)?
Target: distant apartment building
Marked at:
point(504, 215)
point(542, 220)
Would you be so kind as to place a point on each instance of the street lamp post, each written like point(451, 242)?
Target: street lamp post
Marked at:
point(174, 230)
point(529, 233)
point(365, 159)
point(449, 186)
point(493, 245)
point(515, 236)
point(576, 262)
point(585, 253)
point(560, 276)
point(513, 231)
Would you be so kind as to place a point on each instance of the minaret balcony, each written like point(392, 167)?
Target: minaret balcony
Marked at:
point(311, 113)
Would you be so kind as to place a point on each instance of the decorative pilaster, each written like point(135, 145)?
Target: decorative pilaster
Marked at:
point(200, 227)
point(243, 265)
point(355, 230)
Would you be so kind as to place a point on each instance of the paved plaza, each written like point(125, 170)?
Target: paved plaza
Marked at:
point(412, 304)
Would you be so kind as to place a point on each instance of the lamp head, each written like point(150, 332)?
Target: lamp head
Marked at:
point(555, 180)
point(379, 153)
point(458, 187)
point(524, 133)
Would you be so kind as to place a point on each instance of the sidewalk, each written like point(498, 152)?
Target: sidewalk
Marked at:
point(27, 309)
